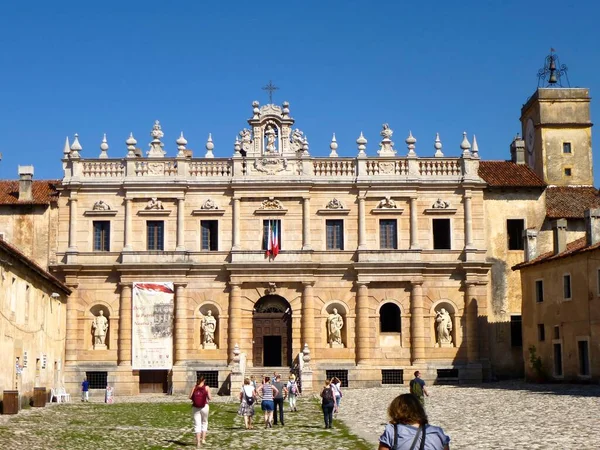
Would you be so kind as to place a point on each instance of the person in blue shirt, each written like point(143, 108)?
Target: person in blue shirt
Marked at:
point(85, 390)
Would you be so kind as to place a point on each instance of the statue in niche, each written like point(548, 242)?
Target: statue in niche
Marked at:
point(443, 328)
point(440, 204)
point(99, 328)
point(335, 324)
point(101, 205)
point(271, 136)
point(154, 203)
point(209, 326)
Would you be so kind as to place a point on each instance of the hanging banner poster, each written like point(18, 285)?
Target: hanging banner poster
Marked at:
point(152, 325)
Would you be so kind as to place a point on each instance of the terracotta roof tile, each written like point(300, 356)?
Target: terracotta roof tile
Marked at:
point(570, 202)
point(508, 174)
point(573, 248)
point(43, 192)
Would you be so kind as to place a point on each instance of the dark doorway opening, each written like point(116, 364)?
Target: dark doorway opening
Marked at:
point(153, 381)
point(272, 351)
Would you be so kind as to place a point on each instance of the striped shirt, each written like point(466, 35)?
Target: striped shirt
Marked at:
point(267, 392)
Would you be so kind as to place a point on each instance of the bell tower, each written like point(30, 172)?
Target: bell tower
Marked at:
point(557, 129)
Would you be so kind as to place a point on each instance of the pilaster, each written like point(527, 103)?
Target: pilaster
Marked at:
point(363, 329)
point(235, 318)
point(417, 329)
point(124, 344)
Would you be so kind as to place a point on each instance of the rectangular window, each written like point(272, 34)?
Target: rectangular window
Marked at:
point(539, 291)
point(567, 287)
point(566, 147)
point(13, 295)
point(516, 331)
point(388, 234)
point(155, 230)
point(541, 332)
point(514, 230)
point(335, 234)
point(556, 332)
point(441, 234)
point(101, 235)
point(274, 229)
point(558, 370)
point(27, 302)
point(568, 172)
point(98, 380)
point(598, 281)
point(584, 358)
point(210, 234)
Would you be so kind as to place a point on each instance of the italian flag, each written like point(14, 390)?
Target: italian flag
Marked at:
point(272, 239)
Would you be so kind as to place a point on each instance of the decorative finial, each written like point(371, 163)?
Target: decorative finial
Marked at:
point(553, 71)
point(67, 147)
point(209, 147)
point(286, 109)
point(465, 145)
point(475, 150)
point(76, 147)
point(255, 109)
point(333, 146)
point(103, 148)
point(362, 145)
point(438, 146)
point(181, 143)
point(131, 143)
point(305, 146)
point(237, 146)
point(410, 143)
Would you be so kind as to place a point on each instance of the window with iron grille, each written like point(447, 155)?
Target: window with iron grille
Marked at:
point(211, 377)
point(334, 234)
point(516, 331)
point(155, 230)
point(392, 376)
point(388, 234)
point(389, 318)
point(98, 380)
point(514, 230)
point(274, 229)
point(210, 234)
point(101, 235)
point(447, 374)
point(441, 234)
point(342, 375)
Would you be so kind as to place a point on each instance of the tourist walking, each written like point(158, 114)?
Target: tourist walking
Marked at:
point(267, 392)
point(328, 403)
point(247, 399)
point(417, 388)
point(200, 396)
point(336, 385)
point(409, 429)
point(278, 399)
point(292, 392)
point(85, 390)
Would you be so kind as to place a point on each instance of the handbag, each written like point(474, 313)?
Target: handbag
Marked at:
point(414, 442)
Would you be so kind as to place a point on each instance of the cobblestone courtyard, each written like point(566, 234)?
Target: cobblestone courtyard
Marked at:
point(491, 416)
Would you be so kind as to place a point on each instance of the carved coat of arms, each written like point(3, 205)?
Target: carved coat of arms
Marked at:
point(270, 166)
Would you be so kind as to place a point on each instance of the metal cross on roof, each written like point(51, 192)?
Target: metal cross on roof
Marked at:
point(271, 88)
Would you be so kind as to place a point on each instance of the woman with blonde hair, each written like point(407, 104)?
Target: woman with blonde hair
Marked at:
point(247, 400)
point(293, 392)
point(409, 429)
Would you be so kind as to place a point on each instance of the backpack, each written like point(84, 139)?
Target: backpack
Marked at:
point(199, 397)
point(416, 389)
point(293, 388)
point(249, 398)
point(327, 395)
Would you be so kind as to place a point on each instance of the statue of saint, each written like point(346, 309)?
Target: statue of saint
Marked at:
point(334, 327)
point(270, 134)
point(100, 327)
point(209, 325)
point(443, 327)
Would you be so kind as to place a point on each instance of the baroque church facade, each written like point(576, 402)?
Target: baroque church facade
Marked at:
point(367, 267)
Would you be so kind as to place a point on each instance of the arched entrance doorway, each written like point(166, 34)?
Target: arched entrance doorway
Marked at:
point(272, 332)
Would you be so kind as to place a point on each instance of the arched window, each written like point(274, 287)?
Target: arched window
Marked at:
point(389, 318)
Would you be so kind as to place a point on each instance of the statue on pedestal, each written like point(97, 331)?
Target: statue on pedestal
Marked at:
point(334, 327)
point(99, 328)
point(209, 326)
point(443, 328)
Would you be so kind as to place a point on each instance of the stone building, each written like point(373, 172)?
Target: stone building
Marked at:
point(365, 267)
point(561, 312)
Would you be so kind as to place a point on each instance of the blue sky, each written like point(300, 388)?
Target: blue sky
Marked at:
point(344, 66)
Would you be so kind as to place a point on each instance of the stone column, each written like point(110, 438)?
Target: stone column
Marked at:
point(127, 238)
point(471, 323)
point(308, 315)
point(124, 343)
point(363, 329)
point(468, 221)
point(72, 332)
point(362, 229)
point(180, 224)
point(72, 223)
point(181, 322)
point(417, 327)
point(414, 226)
point(235, 318)
point(306, 224)
point(236, 225)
